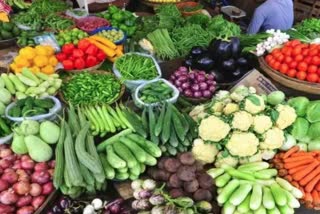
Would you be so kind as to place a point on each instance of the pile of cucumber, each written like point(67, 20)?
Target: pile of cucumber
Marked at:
point(156, 92)
point(125, 155)
point(5, 129)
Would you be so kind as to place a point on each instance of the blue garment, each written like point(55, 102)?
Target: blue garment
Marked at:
point(273, 14)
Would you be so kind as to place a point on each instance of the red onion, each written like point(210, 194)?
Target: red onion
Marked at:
point(1, 171)
point(24, 201)
point(22, 187)
point(210, 77)
point(5, 209)
point(202, 73)
point(197, 94)
point(40, 177)
point(177, 83)
point(180, 89)
point(212, 89)
point(8, 197)
point(183, 69)
point(38, 201)
point(25, 157)
point(4, 164)
point(203, 86)
point(52, 164)
point(10, 158)
point(182, 78)
point(192, 75)
point(41, 166)
point(25, 210)
point(172, 78)
point(10, 176)
point(3, 185)
point(5, 153)
point(27, 164)
point(207, 94)
point(23, 175)
point(185, 85)
point(188, 93)
point(201, 78)
point(51, 172)
point(35, 190)
point(17, 164)
point(195, 87)
point(47, 188)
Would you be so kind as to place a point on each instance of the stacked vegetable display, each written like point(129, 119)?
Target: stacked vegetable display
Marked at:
point(253, 188)
point(24, 184)
point(248, 127)
point(301, 169)
point(71, 36)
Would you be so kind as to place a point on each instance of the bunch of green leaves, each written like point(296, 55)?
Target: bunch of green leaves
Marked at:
point(145, 25)
point(249, 42)
point(45, 7)
point(198, 19)
point(309, 27)
point(30, 19)
point(223, 29)
point(169, 16)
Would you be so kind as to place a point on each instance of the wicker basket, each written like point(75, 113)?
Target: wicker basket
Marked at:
point(296, 84)
point(122, 90)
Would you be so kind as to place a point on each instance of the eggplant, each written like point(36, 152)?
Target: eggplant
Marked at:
point(224, 51)
point(197, 51)
point(213, 47)
point(235, 47)
point(205, 62)
point(189, 63)
point(242, 62)
point(229, 65)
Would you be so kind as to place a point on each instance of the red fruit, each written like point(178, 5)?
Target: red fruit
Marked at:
point(91, 61)
point(92, 50)
point(79, 63)
point(61, 56)
point(101, 55)
point(313, 77)
point(77, 53)
point(68, 48)
point(67, 64)
point(83, 44)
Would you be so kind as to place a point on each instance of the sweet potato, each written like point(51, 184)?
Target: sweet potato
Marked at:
point(205, 180)
point(175, 193)
point(186, 173)
point(174, 181)
point(191, 186)
point(186, 158)
point(172, 164)
point(202, 194)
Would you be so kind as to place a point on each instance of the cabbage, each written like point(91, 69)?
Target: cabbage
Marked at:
point(300, 128)
point(314, 145)
point(5, 96)
point(313, 112)
point(300, 104)
point(276, 97)
point(314, 131)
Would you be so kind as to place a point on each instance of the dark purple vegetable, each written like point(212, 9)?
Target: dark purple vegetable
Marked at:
point(205, 62)
point(202, 195)
point(213, 47)
point(242, 62)
point(64, 203)
point(197, 51)
point(174, 181)
point(118, 201)
point(224, 51)
point(207, 93)
point(144, 194)
point(175, 193)
point(115, 208)
point(229, 65)
point(191, 186)
point(235, 47)
point(195, 87)
point(189, 63)
point(197, 94)
point(186, 158)
point(186, 173)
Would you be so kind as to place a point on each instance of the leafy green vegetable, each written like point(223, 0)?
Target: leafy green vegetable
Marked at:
point(198, 19)
point(314, 132)
point(169, 16)
point(46, 7)
point(300, 128)
point(313, 112)
point(223, 29)
point(309, 27)
point(300, 104)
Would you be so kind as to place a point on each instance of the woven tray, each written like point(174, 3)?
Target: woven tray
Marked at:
point(296, 84)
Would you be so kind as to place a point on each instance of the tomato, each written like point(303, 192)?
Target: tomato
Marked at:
point(315, 60)
point(313, 77)
point(302, 66)
point(284, 68)
point(296, 50)
point(277, 65)
point(318, 71)
point(288, 59)
point(313, 52)
point(287, 51)
point(293, 64)
point(305, 52)
point(312, 69)
point(268, 58)
point(276, 54)
point(292, 73)
point(280, 57)
point(275, 51)
point(301, 75)
point(298, 58)
point(308, 59)
point(313, 46)
point(295, 42)
point(303, 46)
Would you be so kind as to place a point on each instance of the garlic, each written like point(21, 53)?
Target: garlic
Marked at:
point(97, 203)
point(89, 209)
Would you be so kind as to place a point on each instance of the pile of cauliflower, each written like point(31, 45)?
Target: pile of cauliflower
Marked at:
point(241, 126)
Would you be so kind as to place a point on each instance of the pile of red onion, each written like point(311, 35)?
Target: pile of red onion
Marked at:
point(24, 184)
point(194, 84)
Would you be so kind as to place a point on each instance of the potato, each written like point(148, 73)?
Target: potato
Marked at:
point(202, 194)
point(199, 166)
point(191, 186)
point(186, 173)
point(158, 174)
point(161, 162)
point(205, 181)
point(172, 164)
point(174, 181)
point(186, 158)
point(175, 193)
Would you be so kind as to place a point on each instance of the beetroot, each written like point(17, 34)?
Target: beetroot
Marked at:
point(186, 173)
point(186, 158)
point(174, 181)
point(191, 186)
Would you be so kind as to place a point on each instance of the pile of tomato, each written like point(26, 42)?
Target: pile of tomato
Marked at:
point(297, 60)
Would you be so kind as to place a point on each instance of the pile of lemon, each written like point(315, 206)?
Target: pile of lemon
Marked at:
point(38, 59)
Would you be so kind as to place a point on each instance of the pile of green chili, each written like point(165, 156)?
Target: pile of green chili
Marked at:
point(88, 88)
point(136, 67)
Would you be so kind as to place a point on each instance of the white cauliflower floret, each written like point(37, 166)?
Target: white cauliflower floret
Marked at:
point(221, 95)
point(254, 104)
point(261, 123)
point(242, 144)
point(198, 112)
point(273, 139)
point(230, 108)
point(229, 160)
point(213, 128)
point(268, 154)
point(254, 158)
point(217, 107)
point(252, 90)
point(239, 93)
point(204, 152)
point(242, 120)
point(287, 116)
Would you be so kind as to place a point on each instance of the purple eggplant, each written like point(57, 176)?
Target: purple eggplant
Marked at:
point(229, 65)
point(235, 47)
point(205, 62)
point(242, 62)
point(118, 201)
point(197, 51)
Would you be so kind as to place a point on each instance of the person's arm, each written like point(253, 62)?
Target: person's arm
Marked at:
point(256, 22)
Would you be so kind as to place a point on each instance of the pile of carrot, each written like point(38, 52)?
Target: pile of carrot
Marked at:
point(302, 170)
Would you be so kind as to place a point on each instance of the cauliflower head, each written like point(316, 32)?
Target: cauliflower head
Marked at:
point(268, 154)
point(254, 104)
point(204, 152)
point(198, 112)
point(229, 160)
point(287, 116)
point(254, 158)
point(217, 106)
point(242, 144)
point(213, 129)
point(273, 139)
point(239, 93)
point(261, 123)
point(242, 120)
point(230, 108)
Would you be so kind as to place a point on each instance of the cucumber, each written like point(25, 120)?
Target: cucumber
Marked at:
point(125, 154)
point(145, 120)
point(173, 138)
point(227, 191)
point(267, 199)
point(108, 170)
point(136, 150)
point(148, 146)
point(150, 161)
point(159, 124)
point(178, 127)
point(152, 124)
point(165, 135)
point(142, 168)
point(278, 194)
point(256, 197)
point(240, 194)
point(122, 176)
point(135, 170)
point(114, 160)
point(102, 146)
point(135, 121)
point(122, 170)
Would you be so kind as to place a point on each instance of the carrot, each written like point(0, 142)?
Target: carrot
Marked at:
point(283, 172)
point(298, 163)
point(301, 153)
point(281, 155)
point(308, 197)
point(287, 177)
point(291, 151)
point(310, 176)
point(301, 174)
point(310, 186)
point(318, 186)
point(295, 184)
point(297, 169)
point(299, 158)
point(316, 197)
